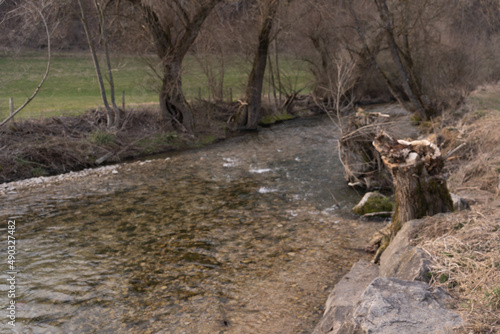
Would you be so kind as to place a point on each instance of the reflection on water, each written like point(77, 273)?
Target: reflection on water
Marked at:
point(246, 236)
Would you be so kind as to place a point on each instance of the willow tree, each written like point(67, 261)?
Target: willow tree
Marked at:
point(247, 115)
point(402, 55)
point(173, 26)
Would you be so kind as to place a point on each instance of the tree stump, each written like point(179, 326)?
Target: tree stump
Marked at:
point(419, 185)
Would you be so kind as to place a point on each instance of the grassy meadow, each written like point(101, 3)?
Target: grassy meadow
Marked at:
point(71, 87)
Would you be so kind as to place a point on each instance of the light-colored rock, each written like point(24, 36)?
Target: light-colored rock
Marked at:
point(459, 203)
point(345, 295)
point(403, 261)
point(393, 306)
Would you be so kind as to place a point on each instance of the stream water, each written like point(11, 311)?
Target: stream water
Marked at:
point(245, 236)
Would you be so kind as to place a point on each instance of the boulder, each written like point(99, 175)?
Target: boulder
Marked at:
point(393, 306)
point(403, 261)
point(345, 295)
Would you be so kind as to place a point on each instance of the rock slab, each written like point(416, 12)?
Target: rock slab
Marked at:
point(403, 261)
point(345, 295)
point(391, 298)
point(394, 306)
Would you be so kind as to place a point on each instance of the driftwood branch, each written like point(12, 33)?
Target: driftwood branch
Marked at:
point(380, 213)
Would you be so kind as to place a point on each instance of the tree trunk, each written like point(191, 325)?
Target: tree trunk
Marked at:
point(419, 185)
point(173, 105)
point(171, 49)
point(117, 112)
point(248, 116)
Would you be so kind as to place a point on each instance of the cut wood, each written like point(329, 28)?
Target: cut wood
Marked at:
point(419, 185)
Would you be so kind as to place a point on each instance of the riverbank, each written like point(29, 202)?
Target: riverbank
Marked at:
point(57, 145)
point(458, 253)
point(32, 148)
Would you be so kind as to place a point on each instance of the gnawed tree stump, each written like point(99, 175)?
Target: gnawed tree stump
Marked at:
point(419, 185)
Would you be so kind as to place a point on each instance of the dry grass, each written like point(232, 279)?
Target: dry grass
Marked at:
point(478, 165)
point(465, 246)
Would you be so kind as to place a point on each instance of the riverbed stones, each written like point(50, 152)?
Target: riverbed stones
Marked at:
point(43, 181)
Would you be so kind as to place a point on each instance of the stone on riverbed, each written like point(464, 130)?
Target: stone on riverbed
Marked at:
point(373, 202)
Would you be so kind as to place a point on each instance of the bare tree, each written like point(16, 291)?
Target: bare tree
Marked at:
point(411, 34)
point(248, 114)
point(211, 56)
point(402, 57)
point(368, 52)
point(173, 27)
point(100, 6)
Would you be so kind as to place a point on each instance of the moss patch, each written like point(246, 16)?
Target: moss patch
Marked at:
point(373, 202)
point(271, 119)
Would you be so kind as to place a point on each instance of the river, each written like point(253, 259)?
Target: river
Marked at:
point(245, 236)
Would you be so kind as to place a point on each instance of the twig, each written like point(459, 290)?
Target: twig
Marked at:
point(28, 100)
point(373, 214)
point(453, 151)
point(333, 196)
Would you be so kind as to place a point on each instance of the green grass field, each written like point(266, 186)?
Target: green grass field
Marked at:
point(71, 87)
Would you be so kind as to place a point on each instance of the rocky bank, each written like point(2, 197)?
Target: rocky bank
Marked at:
point(393, 297)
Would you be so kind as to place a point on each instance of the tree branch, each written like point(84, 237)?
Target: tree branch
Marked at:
point(47, 70)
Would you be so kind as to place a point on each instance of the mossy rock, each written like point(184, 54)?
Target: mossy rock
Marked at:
point(373, 202)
